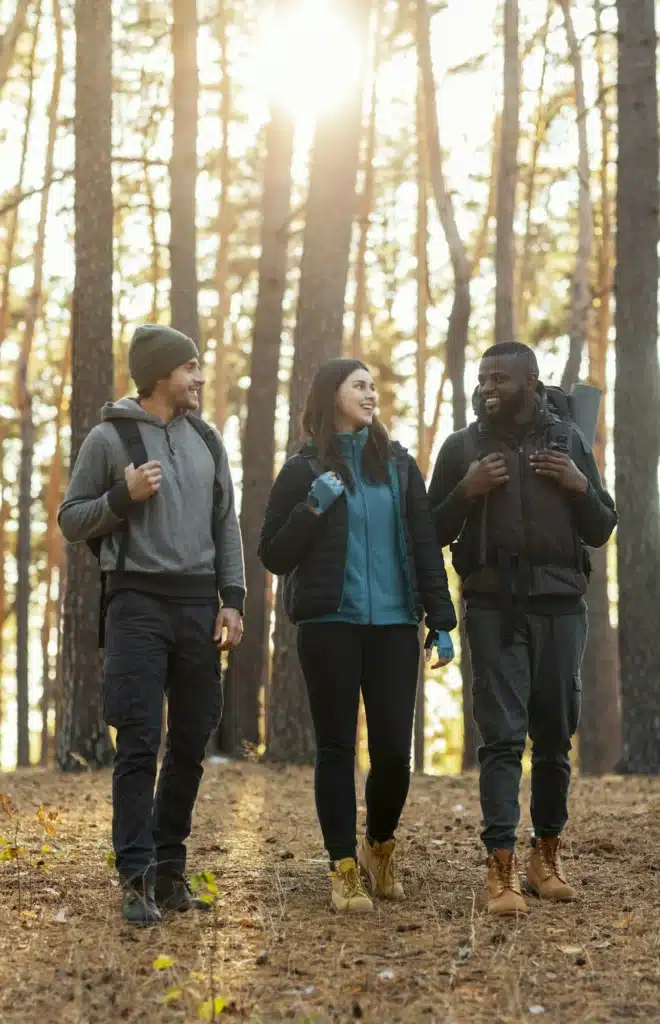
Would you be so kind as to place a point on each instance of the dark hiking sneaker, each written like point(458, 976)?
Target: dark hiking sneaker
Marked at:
point(377, 863)
point(504, 893)
point(137, 903)
point(174, 893)
point(545, 875)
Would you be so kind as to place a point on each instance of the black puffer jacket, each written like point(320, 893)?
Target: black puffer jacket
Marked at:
point(310, 550)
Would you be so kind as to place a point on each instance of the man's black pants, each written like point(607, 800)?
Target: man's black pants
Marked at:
point(532, 686)
point(154, 647)
point(338, 660)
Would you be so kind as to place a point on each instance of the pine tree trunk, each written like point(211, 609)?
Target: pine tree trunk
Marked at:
point(10, 38)
point(505, 250)
point(636, 431)
point(459, 318)
point(225, 221)
point(248, 666)
point(317, 337)
point(580, 290)
point(82, 731)
point(183, 170)
point(12, 216)
point(600, 726)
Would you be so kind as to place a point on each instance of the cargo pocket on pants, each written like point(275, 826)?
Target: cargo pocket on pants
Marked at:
point(575, 704)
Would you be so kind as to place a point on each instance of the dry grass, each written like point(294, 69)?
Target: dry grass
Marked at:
point(277, 953)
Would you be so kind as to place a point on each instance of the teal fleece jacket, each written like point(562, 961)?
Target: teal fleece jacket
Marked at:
point(376, 589)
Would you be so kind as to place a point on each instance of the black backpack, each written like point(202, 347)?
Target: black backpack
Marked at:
point(131, 438)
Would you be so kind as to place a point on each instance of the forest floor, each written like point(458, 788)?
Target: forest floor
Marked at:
point(271, 950)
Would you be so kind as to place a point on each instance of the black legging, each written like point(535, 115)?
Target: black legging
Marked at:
point(339, 659)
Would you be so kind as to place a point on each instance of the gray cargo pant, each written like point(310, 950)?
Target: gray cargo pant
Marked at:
point(532, 687)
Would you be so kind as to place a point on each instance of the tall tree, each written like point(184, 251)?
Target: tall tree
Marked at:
point(580, 301)
point(183, 169)
point(318, 337)
point(600, 725)
point(24, 405)
point(82, 731)
point(10, 38)
point(225, 222)
point(248, 667)
point(637, 430)
point(507, 179)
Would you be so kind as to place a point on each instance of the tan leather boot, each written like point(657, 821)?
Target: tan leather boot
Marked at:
point(504, 894)
point(545, 875)
point(348, 891)
point(379, 867)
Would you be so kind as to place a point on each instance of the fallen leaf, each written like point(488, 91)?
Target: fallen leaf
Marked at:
point(536, 1010)
point(570, 950)
point(172, 994)
point(208, 1010)
point(386, 975)
point(161, 963)
point(624, 922)
point(62, 916)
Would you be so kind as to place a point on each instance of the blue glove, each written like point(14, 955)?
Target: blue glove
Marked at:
point(324, 491)
point(444, 646)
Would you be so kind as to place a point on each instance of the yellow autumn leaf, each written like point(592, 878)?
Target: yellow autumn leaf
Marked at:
point(172, 994)
point(46, 848)
point(624, 922)
point(209, 1010)
point(111, 860)
point(161, 963)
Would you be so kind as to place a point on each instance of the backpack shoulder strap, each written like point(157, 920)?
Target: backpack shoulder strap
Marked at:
point(472, 443)
point(208, 436)
point(131, 438)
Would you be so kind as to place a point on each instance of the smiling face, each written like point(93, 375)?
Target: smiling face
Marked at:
point(506, 387)
point(355, 402)
point(183, 385)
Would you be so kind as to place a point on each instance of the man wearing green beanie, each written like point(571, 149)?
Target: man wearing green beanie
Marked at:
point(170, 548)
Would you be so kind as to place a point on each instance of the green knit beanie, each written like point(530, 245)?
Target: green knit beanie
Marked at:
point(155, 351)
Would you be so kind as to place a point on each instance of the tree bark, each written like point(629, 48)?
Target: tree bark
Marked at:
point(12, 228)
point(10, 39)
point(317, 337)
point(600, 726)
point(24, 404)
point(183, 170)
point(507, 179)
point(83, 734)
point(540, 128)
point(248, 666)
point(636, 431)
point(580, 290)
point(459, 318)
point(366, 200)
point(225, 220)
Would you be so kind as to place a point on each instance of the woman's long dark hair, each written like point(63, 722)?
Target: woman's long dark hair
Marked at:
point(318, 424)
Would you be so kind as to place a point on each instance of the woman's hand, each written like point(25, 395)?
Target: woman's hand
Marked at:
point(324, 492)
point(444, 648)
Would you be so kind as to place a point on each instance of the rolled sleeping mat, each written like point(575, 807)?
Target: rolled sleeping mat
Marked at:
point(585, 402)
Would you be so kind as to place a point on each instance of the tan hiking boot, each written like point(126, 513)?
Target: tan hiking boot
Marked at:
point(379, 866)
point(348, 891)
point(545, 875)
point(504, 894)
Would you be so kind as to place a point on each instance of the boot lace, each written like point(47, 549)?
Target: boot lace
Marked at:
point(353, 884)
point(549, 854)
point(507, 874)
point(385, 871)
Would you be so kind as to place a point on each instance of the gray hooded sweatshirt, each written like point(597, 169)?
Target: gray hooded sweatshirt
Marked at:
point(170, 541)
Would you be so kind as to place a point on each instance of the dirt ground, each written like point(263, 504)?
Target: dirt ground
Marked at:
point(271, 950)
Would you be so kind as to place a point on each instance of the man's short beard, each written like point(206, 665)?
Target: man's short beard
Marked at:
point(508, 410)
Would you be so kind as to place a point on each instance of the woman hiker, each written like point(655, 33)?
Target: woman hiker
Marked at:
point(348, 527)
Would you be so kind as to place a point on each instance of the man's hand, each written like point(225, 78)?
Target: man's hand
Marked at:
point(144, 481)
point(444, 648)
point(231, 621)
point(559, 466)
point(484, 475)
